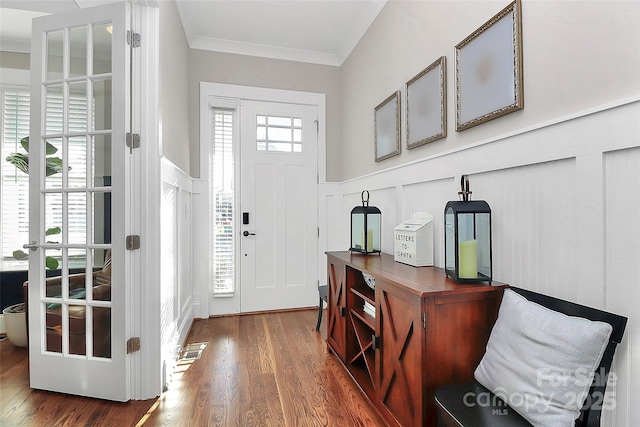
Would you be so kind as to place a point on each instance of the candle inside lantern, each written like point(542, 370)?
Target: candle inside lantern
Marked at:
point(369, 242)
point(468, 259)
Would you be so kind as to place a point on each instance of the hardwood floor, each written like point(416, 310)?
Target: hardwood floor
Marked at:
point(256, 370)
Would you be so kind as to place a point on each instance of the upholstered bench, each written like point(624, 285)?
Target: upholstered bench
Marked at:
point(546, 364)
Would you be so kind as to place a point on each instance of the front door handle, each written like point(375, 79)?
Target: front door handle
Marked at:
point(32, 246)
point(245, 233)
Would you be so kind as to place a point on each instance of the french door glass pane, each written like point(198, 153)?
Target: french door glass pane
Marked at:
point(53, 109)
point(101, 118)
point(102, 48)
point(54, 335)
point(53, 165)
point(77, 329)
point(78, 52)
point(76, 267)
point(101, 208)
point(77, 218)
point(101, 161)
point(102, 275)
point(53, 211)
point(54, 63)
point(77, 111)
point(101, 332)
point(77, 170)
point(53, 290)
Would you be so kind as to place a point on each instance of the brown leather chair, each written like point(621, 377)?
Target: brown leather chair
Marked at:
point(101, 291)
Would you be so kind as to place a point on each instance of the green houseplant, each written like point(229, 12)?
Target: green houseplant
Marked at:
point(53, 166)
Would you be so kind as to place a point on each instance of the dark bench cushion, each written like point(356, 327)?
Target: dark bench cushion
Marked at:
point(473, 405)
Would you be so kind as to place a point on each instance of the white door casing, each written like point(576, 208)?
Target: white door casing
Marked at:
point(76, 59)
point(278, 247)
point(205, 303)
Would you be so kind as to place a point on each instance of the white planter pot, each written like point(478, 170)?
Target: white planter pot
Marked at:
point(16, 326)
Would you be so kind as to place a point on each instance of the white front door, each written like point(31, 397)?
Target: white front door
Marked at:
point(279, 234)
point(79, 213)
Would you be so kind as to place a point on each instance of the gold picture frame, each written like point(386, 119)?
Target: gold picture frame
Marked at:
point(426, 115)
point(387, 127)
point(489, 80)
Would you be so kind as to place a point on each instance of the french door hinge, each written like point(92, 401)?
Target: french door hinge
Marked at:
point(133, 39)
point(133, 345)
point(132, 242)
point(132, 140)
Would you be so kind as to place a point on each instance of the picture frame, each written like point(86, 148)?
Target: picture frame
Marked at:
point(489, 71)
point(426, 114)
point(387, 128)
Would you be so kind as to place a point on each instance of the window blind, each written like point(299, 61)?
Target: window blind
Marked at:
point(223, 200)
point(14, 185)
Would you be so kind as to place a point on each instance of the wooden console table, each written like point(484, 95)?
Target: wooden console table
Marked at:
point(427, 331)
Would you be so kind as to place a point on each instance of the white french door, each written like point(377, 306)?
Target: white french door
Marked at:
point(279, 234)
point(79, 215)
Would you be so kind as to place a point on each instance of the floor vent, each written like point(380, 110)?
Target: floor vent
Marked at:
point(192, 352)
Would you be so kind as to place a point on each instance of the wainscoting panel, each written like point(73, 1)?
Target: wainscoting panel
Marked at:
point(176, 295)
point(622, 272)
point(430, 197)
point(533, 208)
point(565, 200)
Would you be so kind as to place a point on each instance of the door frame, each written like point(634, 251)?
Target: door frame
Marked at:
point(143, 301)
point(203, 300)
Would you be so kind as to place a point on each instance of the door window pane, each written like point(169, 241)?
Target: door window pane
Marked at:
point(53, 110)
point(54, 64)
point(77, 218)
point(102, 48)
point(223, 199)
point(77, 329)
point(102, 332)
point(279, 134)
point(53, 163)
point(78, 51)
point(77, 161)
point(101, 118)
point(53, 333)
point(77, 108)
point(53, 213)
point(102, 275)
point(53, 287)
point(101, 160)
point(101, 208)
point(77, 269)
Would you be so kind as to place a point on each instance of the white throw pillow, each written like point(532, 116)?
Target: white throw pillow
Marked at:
point(541, 362)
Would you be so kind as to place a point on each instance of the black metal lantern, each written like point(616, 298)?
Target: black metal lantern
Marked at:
point(467, 224)
point(366, 222)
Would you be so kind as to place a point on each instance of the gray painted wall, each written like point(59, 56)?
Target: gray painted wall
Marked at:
point(174, 88)
point(577, 55)
point(216, 67)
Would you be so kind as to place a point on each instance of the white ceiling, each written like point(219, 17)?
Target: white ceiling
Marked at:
point(315, 31)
